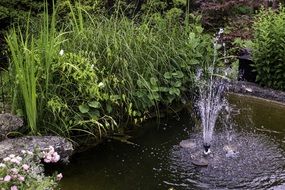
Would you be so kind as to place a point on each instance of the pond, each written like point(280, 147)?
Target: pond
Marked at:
point(256, 131)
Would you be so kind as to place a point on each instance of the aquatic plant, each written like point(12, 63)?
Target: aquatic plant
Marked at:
point(102, 72)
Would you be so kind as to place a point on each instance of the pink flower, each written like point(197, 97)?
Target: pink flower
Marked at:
point(14, 187)
point(48, 158)
point(51, 157)
point(21, 178)
point(15, 160)
point(59, 176)
point(7, 178)
point(56, 157)
point(25, 166)
point(14, 171)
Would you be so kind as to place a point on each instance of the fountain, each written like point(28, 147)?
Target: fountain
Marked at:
point(210, 103)
point(211, 95)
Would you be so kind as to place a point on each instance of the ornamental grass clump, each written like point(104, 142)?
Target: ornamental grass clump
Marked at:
point(25, 171)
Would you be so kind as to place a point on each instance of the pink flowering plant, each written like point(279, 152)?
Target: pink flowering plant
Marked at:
point(25, 171)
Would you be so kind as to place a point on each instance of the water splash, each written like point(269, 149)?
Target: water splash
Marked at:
point(210, 103)
point(212, 83)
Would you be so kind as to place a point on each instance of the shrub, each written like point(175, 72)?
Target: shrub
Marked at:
point(269, 48)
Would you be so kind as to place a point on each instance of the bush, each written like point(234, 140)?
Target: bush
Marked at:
point(25, 171)
point(269, 48)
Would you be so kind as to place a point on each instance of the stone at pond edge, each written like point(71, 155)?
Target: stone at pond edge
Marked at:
point(9, 123)
point(187, 144)
point(14, 146)
point(200, 162)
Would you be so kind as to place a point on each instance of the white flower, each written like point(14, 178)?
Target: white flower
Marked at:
point(101, 85)
point(19, 158)
point(92, 66)
point(61, 52)
point(14, 160)
point(221, 31)
point(2, 165)
point(59, 176)
point(6, 159)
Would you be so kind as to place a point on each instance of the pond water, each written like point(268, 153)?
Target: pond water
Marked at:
point(256, 133)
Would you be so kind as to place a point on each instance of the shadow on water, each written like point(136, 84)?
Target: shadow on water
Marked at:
point(250, 155)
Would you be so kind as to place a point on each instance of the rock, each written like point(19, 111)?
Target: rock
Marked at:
point(200, 162)
point(231, 151)
point(187, 144)
point(9, 123)
point(252, 89)
point(14, 146)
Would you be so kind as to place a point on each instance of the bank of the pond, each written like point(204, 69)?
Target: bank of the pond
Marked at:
point(255, 90)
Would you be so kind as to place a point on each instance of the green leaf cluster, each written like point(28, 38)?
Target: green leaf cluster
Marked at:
point(269, 48)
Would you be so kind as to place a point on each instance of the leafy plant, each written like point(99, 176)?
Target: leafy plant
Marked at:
point(101, 72)
point(269, 48)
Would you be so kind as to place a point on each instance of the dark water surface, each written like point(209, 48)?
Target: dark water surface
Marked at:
point(256, 133)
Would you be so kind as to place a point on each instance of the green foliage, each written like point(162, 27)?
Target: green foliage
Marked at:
point(269, 48)
point(104, 71)
point(242, 10)
point(31, 56)
point(22, 50)
point(11, 9)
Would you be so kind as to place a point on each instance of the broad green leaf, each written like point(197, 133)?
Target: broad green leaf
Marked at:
point(153, 81)
point(94, 104)
point(167, 75)
point(84, 108)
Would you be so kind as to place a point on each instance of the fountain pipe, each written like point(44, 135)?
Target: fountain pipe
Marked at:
point(206, 148)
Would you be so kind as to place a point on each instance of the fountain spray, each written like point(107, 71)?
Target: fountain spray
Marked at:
point(211, 99)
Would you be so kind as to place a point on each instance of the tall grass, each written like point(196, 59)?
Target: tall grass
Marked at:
point(114, 70)
point(24, 66)
point(32, 54)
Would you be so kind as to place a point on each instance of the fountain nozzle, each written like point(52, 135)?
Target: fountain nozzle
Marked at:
point(207, 148)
